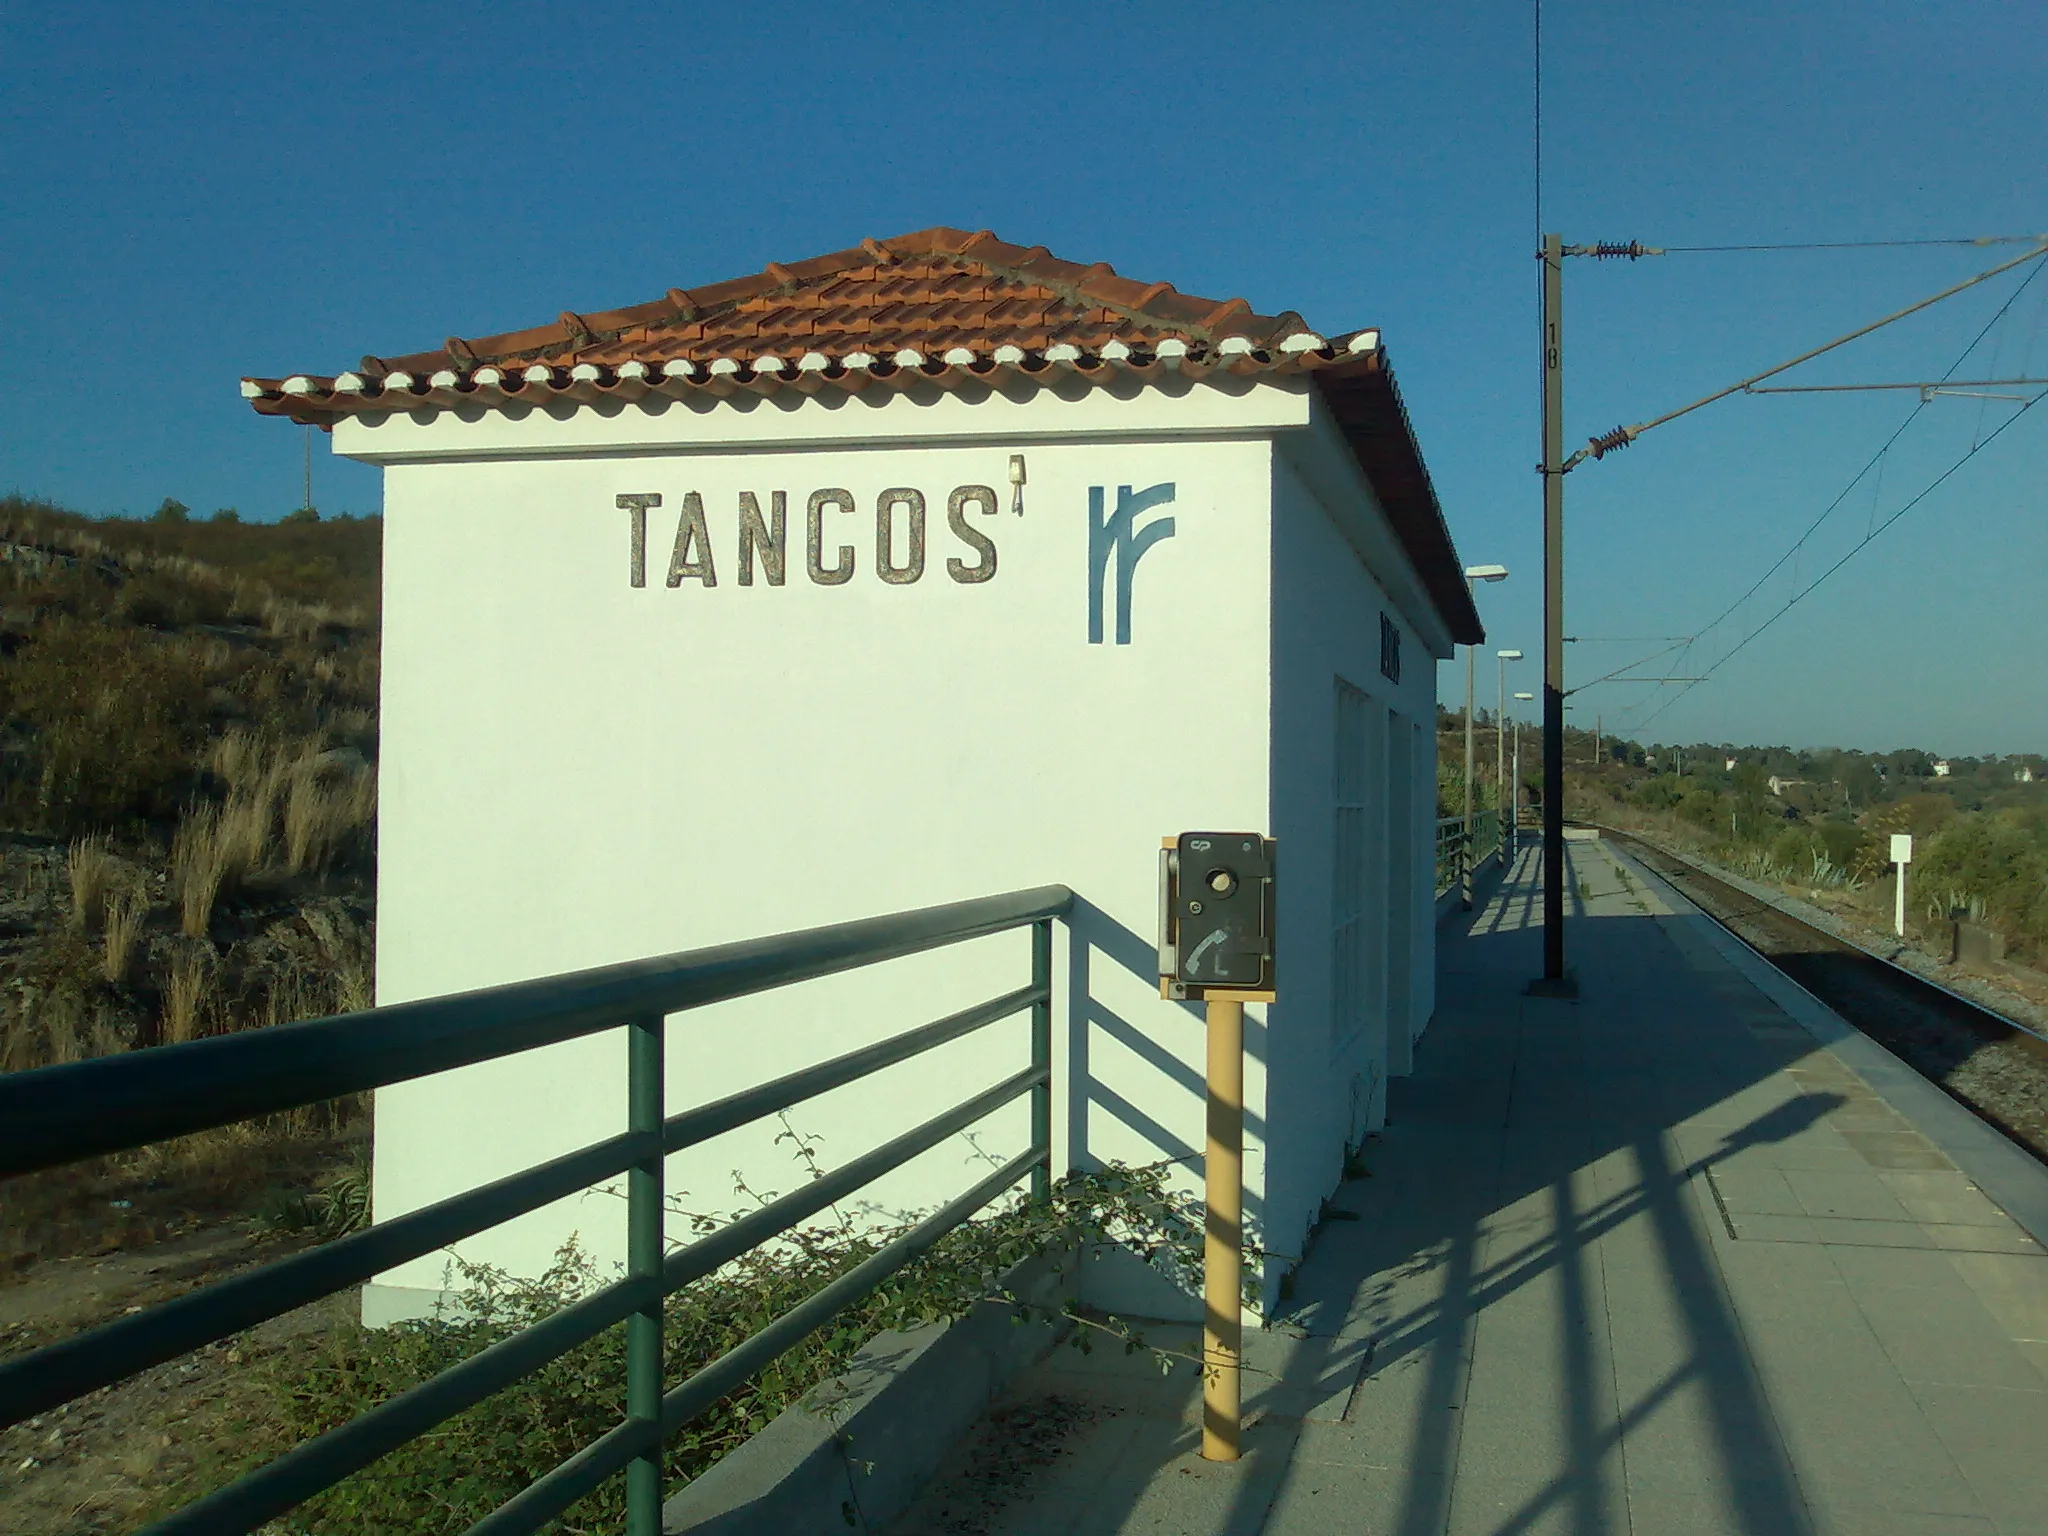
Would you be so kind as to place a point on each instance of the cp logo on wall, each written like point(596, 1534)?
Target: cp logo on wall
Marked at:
point(1115, 534)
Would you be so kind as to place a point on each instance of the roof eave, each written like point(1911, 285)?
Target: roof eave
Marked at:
point(1368, 410)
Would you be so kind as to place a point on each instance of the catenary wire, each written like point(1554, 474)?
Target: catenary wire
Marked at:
point(1621, 437)
point(1847, 245)
point(1874, 460)
point(1846, 557)
point(1619, 672)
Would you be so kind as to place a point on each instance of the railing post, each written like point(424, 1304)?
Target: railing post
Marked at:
point(643, 1262)
point(1041, 1056)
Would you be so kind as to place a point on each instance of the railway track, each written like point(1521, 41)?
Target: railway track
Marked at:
point(1995, 1067)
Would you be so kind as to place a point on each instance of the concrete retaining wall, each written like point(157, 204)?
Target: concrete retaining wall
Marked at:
point(859, 1449)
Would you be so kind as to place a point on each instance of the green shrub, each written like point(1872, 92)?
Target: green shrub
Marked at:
point(1843, 842)
point(1658, 794)
point(156, 600)
point(1792, 851)
point(1988, 864)
point(461, 1470)
point(116, 718)
point(1702, 807)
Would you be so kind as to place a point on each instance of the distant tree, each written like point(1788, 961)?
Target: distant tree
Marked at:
point(1702, 807)
point(226, 515)
point(1861, 781)
point(302, 515)
point(172, 510)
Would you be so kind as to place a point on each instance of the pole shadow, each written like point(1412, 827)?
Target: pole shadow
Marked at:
point(1509, 1114)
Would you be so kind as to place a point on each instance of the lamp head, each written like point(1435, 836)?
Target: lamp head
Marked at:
point(1486, 573)
point(1509, 655)
point(1525, 697)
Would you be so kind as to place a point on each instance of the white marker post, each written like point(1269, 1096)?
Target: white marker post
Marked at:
point(1902, 855)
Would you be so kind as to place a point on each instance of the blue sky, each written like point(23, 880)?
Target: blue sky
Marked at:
point(195, 193)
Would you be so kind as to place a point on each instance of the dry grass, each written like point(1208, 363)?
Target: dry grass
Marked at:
point(91, 868)
point(125, 913)
point(355, 988)
point(19, 1047)
point(238, 757)
point(205, 865)
point(189, 997)
point(288, 620)
point(66, 1027)
point(325, 806)
point(248, 822)
point(42, 1028)
point(56, 1027)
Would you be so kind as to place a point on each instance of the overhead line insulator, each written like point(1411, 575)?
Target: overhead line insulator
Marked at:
point(1608, 250)
point(1611, 442)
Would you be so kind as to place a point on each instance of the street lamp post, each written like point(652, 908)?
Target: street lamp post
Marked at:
point(1500, 733)
point(1515, 786)
point(1474, 574)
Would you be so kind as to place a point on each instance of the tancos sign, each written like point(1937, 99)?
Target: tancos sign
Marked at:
point(763, 539)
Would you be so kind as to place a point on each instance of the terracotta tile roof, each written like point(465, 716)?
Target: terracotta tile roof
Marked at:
point(942, 306)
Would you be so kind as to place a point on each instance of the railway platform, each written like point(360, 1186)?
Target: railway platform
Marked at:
point(1685, 1256)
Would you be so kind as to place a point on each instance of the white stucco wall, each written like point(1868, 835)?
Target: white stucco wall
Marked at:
point(1327, 1077)
point(576, 771)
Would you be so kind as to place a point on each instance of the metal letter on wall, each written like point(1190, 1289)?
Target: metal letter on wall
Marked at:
point(770, 540)
point(638, 505)
point(963, 497)
point(691, 534)
point(1112, 535)
point(885, 530)
point(814, 518)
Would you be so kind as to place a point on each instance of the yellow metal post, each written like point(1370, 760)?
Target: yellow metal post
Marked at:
point(1223, 1239)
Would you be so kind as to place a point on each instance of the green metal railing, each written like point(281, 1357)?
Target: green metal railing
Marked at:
point(1450, 852)
point(1458, 849)
point(1488, 837)
point(58, 1115)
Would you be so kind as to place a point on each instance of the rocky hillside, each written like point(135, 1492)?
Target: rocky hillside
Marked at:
point(187, 808)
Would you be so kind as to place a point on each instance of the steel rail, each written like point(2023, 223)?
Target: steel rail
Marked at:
point(1910, 979)
point(62, 1114)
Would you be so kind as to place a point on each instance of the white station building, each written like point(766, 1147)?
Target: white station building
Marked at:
point(930, 569)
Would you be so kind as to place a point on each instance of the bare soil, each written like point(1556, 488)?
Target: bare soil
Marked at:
point(132, 1452)
point(999, 1464)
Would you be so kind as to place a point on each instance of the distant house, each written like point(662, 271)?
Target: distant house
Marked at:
point(1941, 768)
point(2024, 774)
point(1729, 765)
point(1779, 786)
